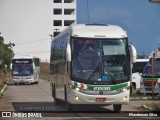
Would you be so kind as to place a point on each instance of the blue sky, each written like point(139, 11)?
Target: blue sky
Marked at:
point(22, 21)
point(139, 18)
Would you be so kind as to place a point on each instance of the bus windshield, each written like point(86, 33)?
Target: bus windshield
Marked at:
point(148, 70)
point(22, 70)
point(139, 66)
point(105, 60)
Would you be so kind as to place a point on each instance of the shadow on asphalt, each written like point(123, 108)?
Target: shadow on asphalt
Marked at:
point(51, 107)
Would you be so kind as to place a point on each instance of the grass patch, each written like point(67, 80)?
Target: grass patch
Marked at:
point(136, 93)
point(45, 77)
point(1, 86)
point(152, 106)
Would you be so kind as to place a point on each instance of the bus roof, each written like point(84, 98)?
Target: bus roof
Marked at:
point(97, 31)
point(24, 57)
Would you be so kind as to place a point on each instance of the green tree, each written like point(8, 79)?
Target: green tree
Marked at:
point(6, 52)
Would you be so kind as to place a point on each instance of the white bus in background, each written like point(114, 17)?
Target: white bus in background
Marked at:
point(151, 75)
point(137, 70)
point(91, 64)
point(25, 69)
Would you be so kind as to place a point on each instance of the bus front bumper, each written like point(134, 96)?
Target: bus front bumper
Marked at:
point(27, 79)
point(80, 98)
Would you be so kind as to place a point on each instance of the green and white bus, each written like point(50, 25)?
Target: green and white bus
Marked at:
point(151, 76)
point(91, 64)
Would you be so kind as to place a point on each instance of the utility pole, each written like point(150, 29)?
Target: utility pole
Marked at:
point(153, 60)
point(87, 11)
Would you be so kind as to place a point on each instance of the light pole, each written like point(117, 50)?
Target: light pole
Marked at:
point(87, 11)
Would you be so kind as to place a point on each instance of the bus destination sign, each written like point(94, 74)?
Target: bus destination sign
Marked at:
point(22, 61)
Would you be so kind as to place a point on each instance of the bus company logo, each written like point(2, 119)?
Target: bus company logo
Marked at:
point(20, 62)
point(102, 88)
point(6, 114)
point(101, 92)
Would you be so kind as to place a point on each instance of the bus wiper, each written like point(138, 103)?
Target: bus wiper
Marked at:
point(94, 71)
point(111, 74)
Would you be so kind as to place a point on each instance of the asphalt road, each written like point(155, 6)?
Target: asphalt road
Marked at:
point(37, 98)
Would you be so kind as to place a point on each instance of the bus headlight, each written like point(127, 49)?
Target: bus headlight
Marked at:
point(124, 89)
point(77, 89)
point(74, 87)
point(71, 86)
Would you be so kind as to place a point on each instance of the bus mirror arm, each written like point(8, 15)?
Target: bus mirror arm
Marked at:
point(68, 53)
point(140, 74)
point(133, 53)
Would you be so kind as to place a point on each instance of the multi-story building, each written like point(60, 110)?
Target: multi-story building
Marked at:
point(64, 14)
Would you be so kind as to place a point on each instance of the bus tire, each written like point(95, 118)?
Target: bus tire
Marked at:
point(69, 106)
point(117, 108)
point(36, 82)
point(133, 88)
point(56, 101)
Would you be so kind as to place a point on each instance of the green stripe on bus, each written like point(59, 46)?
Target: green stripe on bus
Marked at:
point(151, 79)
point(106, 87)
point(75, 84)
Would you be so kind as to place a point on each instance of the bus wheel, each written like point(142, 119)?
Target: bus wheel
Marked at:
point(117, 107)
point(36, 82)
point(69, 106)
point(15, 83)
point(56, 101)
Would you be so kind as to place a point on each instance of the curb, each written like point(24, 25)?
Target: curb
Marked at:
point(145, 98)
point(3, 88)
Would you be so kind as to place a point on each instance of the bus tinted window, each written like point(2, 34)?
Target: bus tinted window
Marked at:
point(37, 62)
point(138, 67)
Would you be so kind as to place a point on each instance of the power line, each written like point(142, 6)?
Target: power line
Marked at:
point(35, 52)
point(33, 41)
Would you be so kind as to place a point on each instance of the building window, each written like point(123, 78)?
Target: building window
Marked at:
point(55, 33)
point(57, 23)
point(68, 1)
point(69, 11)
point(68, 22)
point(57, 11)
point(57, 1)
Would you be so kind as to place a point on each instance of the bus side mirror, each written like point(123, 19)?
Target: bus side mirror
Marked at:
point(33, 66)
point(133, 53)
point(68, 53)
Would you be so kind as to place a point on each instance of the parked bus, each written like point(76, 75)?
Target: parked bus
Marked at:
point(150, 76)
point(25, 69)
point(91, 64)
point(137, 71)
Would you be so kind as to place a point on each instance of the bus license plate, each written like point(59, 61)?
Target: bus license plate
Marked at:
point(100, 99)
